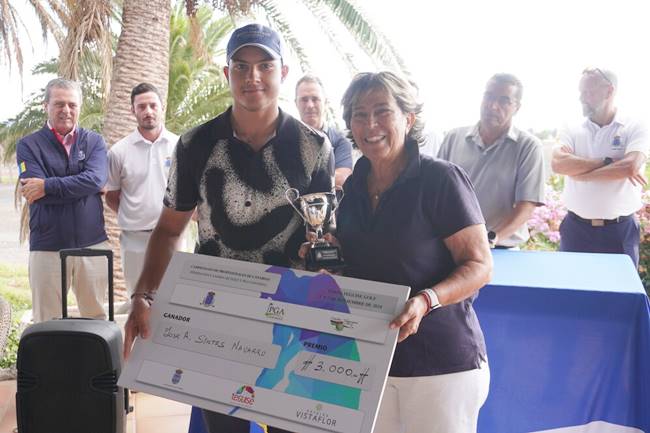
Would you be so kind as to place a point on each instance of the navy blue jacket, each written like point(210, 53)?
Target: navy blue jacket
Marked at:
point(71, 213)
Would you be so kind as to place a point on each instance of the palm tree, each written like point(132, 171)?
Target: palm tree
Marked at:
point(197, 90)
point(142, 55)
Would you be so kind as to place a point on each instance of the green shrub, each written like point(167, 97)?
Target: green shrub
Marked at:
point(10, 355)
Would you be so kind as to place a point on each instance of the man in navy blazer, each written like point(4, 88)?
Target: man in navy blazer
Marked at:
point(62, 171)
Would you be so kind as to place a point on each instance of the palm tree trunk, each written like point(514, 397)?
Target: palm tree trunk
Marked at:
point(142, 55)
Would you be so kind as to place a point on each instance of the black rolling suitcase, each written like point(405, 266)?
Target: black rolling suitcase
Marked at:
point(68, 370)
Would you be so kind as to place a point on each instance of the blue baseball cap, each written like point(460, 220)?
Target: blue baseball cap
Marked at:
point(255, 35)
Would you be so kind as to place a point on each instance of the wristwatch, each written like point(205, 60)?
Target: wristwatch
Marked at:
point(432, 299)
point(492, 237)
point(607, 160)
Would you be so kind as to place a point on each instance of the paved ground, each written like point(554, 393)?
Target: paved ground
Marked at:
point(11, 252)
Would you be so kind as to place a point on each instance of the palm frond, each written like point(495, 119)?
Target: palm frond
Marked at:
point(371, 39)
point(278, 21)
point(327, 22)
point(91, 20)
point(30, 119)
point(237, 9)
point(9, 39)
point(47, 21)
point(21, 203)
point(197, 90)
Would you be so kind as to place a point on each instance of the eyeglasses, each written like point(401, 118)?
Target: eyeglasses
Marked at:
point(591, 71)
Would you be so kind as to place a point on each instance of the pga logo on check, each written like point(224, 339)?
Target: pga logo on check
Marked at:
point(274, 312)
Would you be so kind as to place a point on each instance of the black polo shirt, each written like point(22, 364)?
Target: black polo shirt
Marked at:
point(402, 243)
point(243, 213)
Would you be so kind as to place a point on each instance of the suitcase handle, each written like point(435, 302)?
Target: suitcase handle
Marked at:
point(86, 252)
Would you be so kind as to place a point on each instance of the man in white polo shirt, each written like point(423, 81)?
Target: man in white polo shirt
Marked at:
point(504, 163)
point(603, 159)
point(137, 177)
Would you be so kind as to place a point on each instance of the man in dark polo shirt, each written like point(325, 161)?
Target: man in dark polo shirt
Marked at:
point(310, 100)
point(235, 170)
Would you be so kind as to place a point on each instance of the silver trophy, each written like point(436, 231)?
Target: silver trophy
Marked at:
point(317, 210)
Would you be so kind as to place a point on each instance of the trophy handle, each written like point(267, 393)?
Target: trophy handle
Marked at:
point(293, 191)
point(338, 195)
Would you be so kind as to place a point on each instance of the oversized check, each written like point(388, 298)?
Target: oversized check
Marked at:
point(301, 351)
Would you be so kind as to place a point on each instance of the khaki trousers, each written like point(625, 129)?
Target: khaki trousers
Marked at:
point(87, 275)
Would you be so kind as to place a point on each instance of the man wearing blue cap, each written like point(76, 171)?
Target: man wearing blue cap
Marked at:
point(234, 170)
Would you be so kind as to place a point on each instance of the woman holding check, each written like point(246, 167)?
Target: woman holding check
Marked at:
point(412, 220)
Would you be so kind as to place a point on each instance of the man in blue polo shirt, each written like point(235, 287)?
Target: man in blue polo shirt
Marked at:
point(310, 100)
point(63, 168)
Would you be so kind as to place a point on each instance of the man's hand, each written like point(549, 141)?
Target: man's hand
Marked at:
point(567, 149)
point(32, 188)
point(638, 180)
point(137, 325)
point(409, 319)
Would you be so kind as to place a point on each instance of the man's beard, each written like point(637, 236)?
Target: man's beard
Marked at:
point(149, 125)
point(591, 111)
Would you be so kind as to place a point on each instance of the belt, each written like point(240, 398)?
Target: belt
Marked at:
point(601, 222)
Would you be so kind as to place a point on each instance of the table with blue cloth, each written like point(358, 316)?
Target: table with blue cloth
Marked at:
point(568, 339)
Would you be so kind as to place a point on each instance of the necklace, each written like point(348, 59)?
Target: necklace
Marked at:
point(379, 185)
point(375, 193)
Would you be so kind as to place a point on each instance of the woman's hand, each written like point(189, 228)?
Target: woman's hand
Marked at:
point(408, 321)
point(311, 238)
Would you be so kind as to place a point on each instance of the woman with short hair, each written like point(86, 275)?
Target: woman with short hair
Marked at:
point(412, 220)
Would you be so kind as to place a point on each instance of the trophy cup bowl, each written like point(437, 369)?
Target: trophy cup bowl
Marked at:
point(316, 210)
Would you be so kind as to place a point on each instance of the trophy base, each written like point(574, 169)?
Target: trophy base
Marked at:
point(326, 257)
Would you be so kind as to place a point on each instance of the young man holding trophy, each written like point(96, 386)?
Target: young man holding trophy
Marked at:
point(235, 170)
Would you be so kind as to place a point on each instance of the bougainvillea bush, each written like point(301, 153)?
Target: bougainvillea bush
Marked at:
point(644, 248)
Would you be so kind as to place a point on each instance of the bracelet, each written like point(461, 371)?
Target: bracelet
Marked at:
point(426, 299)
point(432, 298)
point(146, 296)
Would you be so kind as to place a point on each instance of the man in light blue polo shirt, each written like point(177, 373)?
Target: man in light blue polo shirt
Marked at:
point(504, 163)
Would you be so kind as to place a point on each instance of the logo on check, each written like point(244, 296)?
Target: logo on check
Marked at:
point(316, 416)
point(245, 394)
point(208, 300)
point(274, 312)
point(340, 324)
point(178, 375)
